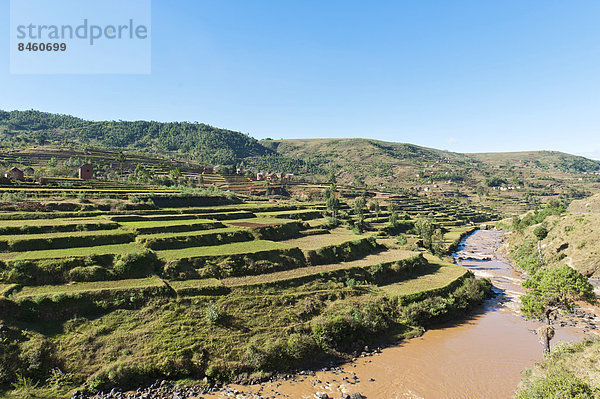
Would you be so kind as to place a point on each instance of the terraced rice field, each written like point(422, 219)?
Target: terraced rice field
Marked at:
point(191, 231)
point(207, 286)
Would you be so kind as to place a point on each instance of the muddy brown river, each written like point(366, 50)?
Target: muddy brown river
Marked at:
point(480, 357)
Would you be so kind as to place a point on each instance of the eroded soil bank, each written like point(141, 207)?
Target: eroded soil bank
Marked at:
point(481, 357)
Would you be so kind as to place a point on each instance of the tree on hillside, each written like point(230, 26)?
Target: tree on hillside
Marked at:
point(375, 207)
point(176, 174)
point(121, 160)
point(550, 291)
point(331, 178)
point(333, 204)
point(359, 205)
point(540, 232)
point(393, 219)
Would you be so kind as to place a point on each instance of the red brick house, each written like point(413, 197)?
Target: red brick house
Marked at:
point(86, 171)
point(14, 174)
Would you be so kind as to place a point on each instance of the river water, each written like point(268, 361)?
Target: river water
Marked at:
point(480, 357)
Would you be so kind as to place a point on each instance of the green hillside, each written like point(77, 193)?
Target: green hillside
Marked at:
point(191, 141)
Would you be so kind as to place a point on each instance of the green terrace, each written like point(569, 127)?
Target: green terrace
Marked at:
point(236, 248)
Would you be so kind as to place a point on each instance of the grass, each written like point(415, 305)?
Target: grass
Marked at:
point(223, 250)
point(116, 249)
point(191, 233)
point(261, 220)
point(165, 223)
point(442, 274)
point(203, 283)
point(337, 236)
point(20, 237)
point(74, 288)
point(53, 222)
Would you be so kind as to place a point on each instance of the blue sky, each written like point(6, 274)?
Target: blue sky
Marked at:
point(466, 76)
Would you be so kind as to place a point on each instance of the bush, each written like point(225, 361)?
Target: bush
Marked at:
point(540, 232)
point(342, 252)
point(88, 273)
point(557, 384)
point(137, 264)
point(38, 359)
point(341, 329)
point(22, 272)
point(281, 353)
point(213, 314)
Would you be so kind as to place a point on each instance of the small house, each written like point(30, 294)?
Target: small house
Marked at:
point(86, 172)
point(259, 176)
point(14, 174)
point(289, 176)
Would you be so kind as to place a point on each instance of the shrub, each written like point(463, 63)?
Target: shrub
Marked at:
point(540, 232)
point(557, 383)
point(342, 328)
point(213, 314)
point(282, 353)
point(137, 264)
point(22, 272)
point(88, 273)
point(37, 358)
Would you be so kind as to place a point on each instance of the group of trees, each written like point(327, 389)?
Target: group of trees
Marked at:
point(199, 142)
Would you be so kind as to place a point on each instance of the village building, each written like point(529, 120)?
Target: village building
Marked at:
point(14, 174)
point(86, 171)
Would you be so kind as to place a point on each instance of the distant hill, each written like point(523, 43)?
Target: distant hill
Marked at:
point(194, 141)
point(376, 162)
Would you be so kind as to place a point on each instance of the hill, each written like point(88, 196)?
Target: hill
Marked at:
point(518, 179)
point(189, 141)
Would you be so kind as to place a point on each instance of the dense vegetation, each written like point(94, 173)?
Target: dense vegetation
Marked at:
point(195, 141)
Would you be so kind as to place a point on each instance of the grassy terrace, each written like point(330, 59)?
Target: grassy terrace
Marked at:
point(257, 221)
point(442, 274)
point(223, 250)
point(337, 236)
point(190, 233)
point(96, 233)
point(165, 223)
point(75, 288)
point(52, 222)
point(369, 260)
point(74, 252)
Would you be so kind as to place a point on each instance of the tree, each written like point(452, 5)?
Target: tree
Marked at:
point(425, 229)
point(333, 204)
point(331, 178)
point(359, 209)
point(121, 159)
point(359, 205)
point(550, 291)
point(176, 174)
point(394, 219)
point(540, 232)
point(375, 207)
